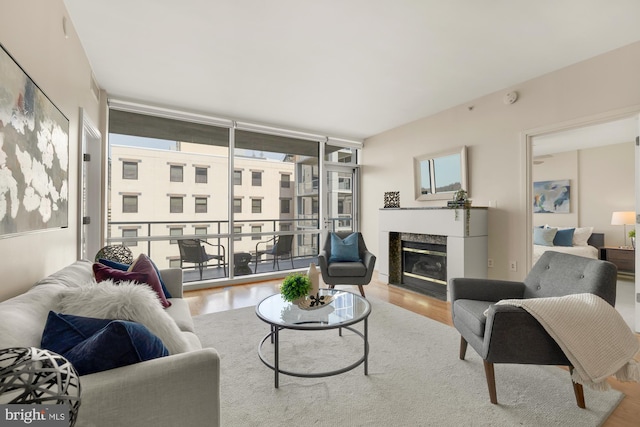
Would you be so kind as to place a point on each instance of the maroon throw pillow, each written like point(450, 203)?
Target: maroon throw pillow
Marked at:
point(102, 273)
point(143, 265)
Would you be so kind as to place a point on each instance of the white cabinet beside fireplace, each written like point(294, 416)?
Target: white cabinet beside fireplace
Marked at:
point(467, 253)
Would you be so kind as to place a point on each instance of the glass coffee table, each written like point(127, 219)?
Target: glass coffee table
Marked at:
point(342, 310)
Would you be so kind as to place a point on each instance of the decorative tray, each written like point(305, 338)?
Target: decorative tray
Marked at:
point(313, 302)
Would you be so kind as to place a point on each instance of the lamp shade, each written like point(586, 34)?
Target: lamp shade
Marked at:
point(623, 218)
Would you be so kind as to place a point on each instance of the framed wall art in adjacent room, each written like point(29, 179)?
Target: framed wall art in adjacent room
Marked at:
point(552, 196)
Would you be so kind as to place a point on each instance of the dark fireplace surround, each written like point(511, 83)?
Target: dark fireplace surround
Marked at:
point(418, 262)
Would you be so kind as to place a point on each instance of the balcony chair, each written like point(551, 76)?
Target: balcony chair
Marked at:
point(509, 334)
point(282, 247)
point(341, 267)
point(193, 251)
point(117, 253)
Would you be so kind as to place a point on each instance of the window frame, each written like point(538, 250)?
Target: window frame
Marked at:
point(174, 178)
point(124, 204)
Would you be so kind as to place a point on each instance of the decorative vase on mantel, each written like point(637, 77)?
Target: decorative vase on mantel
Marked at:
point(313, 275)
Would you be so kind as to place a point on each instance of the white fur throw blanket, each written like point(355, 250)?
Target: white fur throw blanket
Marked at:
point(592, 334)
point(125, 301)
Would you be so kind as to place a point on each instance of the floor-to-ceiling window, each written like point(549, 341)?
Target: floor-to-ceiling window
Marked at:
point(236, 189)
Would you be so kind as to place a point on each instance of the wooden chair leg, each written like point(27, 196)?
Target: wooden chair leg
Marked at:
point(361, 291)
point(491, 381)
point(463, 348)
point(578, 391)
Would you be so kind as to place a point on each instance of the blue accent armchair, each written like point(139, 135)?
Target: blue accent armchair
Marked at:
point(346, 272)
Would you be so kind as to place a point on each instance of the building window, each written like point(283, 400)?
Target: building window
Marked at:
point(256, 205)
point(200, 231)
point(201, 175)
point(201, 205)
point(237, 205)
point(129, 170)
point(285, 181)
point(129, 204)
point(237, 177)
point(174, 263)
point(256, 179)
point(176, 204)
point(285, 227)
point(128, 233)
point(256, 229)
point(176, 173)
point(177, 232)
point(285, 206)
point(236, 231)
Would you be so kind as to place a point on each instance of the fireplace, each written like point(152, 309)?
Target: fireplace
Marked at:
point(465, 246)
point(419, 263)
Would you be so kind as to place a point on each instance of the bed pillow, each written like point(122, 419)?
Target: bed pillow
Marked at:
point(125, 267)
point(544, 236)
point(564, 237)
point(344, 250)
point(581, 236)
point(143, 265)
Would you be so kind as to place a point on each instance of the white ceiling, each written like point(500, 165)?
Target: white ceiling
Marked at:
point(349, 68)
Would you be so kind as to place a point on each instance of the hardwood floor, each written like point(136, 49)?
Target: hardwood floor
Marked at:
point(627, 414)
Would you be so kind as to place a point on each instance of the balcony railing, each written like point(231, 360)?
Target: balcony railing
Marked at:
point(154, 239)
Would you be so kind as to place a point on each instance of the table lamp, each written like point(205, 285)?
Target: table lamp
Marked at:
point(623, 218)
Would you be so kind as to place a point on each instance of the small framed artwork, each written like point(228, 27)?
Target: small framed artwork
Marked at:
point(552, 196)
point(34, 155)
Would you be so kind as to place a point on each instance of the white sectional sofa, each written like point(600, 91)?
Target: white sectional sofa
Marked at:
point(176, 390)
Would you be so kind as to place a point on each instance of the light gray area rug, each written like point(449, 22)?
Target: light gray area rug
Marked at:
point(415, 378)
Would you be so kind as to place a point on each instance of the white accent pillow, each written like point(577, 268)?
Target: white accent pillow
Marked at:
point(581, 235)
point(125, 301)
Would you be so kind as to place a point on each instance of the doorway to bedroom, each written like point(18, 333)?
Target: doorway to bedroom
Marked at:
point(579, 175)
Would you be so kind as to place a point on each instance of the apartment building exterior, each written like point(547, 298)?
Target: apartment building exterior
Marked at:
point(158, 196)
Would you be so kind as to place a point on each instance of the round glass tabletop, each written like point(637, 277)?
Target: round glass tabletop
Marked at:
point(340, 309)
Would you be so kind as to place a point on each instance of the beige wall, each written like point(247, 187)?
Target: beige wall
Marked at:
point(493, 132)
point(31, 31)
point(607, 185)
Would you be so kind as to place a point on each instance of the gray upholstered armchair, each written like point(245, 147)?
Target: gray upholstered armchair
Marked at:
point(509, 334)
point(356, 272)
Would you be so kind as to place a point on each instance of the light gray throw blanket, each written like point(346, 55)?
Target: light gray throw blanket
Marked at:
point(592, 334)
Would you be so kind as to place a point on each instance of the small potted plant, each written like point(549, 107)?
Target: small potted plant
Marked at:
point(632, 235)
point(461, 200)
point(295, 286)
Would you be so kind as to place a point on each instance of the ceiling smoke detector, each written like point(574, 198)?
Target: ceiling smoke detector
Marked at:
point(510, 97)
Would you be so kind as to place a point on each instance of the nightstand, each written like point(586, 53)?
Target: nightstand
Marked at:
point(623, 258)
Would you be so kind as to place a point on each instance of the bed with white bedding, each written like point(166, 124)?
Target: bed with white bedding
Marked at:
point(588, 247)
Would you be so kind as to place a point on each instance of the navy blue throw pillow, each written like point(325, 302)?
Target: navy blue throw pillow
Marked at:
point(94, 345)
point(120, 343)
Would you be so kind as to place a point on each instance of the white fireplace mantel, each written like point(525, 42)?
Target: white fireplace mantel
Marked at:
point(466, 252)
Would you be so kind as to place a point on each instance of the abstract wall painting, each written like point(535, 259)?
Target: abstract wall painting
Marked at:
point(34, 155)
point(552, 196)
